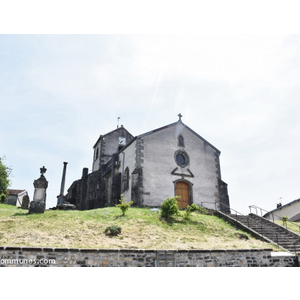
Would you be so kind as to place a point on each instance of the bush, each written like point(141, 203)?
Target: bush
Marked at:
point(170, 207)
point(190, 209)
point(194, 207)
point(113, 230)
point(123, 205)
point(284, 219)
point(4, 180)
point(203, 210)
point(3, 197)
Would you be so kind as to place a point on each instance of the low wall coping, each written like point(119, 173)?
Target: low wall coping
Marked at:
point(277, 254)
point(89, 250)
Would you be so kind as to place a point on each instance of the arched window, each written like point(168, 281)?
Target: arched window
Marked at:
point(126, 179)
point(181, 140)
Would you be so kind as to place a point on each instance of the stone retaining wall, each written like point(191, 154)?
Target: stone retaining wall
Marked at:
point(65, 257)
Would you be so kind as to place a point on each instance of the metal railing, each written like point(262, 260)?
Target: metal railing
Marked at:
point(263, 230)
point(218, 206)
point(272, 216)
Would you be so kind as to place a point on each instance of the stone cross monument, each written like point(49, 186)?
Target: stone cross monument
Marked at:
point(61, 198)
point(38, 204)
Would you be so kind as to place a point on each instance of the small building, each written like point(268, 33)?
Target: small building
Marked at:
point(290, 210)
point(151, 167)
point(15, 197)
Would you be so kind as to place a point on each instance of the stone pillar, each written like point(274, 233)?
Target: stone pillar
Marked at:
point(61, 198)
point(38, 204)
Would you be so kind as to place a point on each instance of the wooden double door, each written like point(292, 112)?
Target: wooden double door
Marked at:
point(183, 190)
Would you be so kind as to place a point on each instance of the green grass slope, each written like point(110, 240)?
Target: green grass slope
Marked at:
point(141, 229)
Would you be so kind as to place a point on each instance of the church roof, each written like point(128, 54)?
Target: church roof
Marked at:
point(174, 124)
point(168, 126)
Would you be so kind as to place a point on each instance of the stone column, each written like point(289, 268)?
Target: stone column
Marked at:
point(38, 204)
point(61, 198)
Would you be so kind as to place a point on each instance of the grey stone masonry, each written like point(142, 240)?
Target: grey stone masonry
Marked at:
point(67, 257)
point(139, 152)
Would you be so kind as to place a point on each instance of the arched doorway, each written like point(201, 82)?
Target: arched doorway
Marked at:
point(183, 190)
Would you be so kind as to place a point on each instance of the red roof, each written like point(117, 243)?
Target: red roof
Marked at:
point(15, 192)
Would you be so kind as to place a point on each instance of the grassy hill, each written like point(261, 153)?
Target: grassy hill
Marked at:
point(141, 229)
point(290, 225)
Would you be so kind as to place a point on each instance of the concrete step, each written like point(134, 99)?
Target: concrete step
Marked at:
point(270, 230)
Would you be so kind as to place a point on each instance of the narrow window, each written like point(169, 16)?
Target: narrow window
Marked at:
point(126, 179)
point(180, 140)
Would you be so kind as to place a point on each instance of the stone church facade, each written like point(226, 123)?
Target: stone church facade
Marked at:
point(149, 168)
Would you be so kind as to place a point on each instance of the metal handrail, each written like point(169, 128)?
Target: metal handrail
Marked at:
point(230, 209)
point(272, 214)
point(279, 217)
point(236, 213)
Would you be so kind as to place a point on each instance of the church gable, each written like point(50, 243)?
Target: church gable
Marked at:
point(179, 124)
point(173, 156)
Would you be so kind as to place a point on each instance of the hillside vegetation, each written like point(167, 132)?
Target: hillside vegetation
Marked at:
point(293, 226)
point(141, 229)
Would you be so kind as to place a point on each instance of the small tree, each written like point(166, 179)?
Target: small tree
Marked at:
point(170, 207)
point(4, 180)
point(284, 219)
point(123, 205)
point(193, 208)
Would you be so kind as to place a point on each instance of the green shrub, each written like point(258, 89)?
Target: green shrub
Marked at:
point(203, 210)
point(2, 198)
point(170, 207)
point(113, 230)
point(123, 205)
point(4, 180)
point(192, 208)
point(284, 219)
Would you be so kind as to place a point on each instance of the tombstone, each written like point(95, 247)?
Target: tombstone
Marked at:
point(38, 204)
point(25, 202)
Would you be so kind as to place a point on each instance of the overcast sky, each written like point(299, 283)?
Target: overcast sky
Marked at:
point(58, 93)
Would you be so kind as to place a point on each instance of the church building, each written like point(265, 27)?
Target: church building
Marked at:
point(151, 167)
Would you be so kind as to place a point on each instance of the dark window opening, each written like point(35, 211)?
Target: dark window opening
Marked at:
point(126, 179)
point(180, 140)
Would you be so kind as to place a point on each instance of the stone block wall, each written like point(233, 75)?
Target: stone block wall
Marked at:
point(65, 257)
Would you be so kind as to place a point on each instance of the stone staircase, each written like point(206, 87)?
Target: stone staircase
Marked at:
point(263, 229)
point(272, 232)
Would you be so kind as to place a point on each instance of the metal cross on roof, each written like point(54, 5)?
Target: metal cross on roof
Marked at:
point(180, 116)
point(43, 170)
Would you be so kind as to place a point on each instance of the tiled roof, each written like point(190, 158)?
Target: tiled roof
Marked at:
point(15, 192)
point(280, 207)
